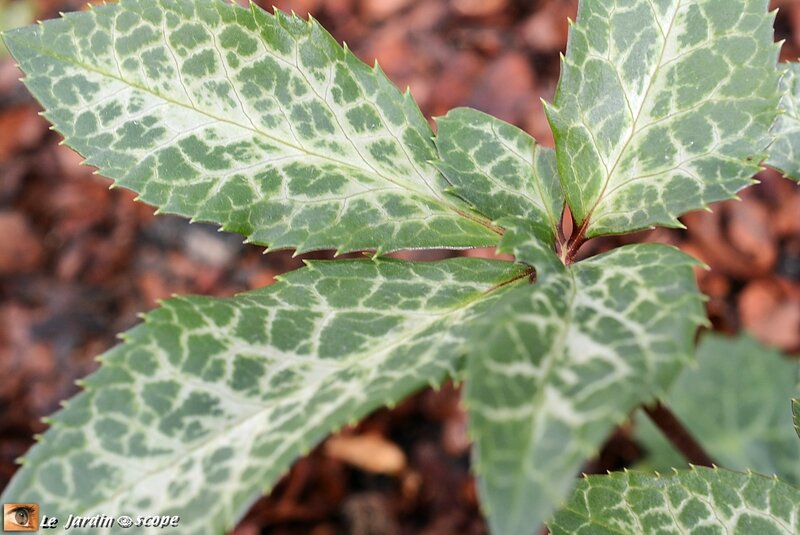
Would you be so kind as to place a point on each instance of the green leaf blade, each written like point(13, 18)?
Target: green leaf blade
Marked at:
point(260, 123)
point(531, 242)
point(562, 362)
point(701, 500)
point(735, 404)
point(784, 153)
point(662, 108)
point(208, 402)
point(498, 168)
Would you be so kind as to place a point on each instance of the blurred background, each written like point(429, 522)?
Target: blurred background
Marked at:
point(78, 261)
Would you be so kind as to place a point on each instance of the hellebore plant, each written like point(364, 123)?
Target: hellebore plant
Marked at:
point(266, 126)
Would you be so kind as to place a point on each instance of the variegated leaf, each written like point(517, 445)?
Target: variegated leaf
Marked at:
point(784, 154)
point(558, 364)
point(498, 168)
point(260, 123)
point(796, 413)
point(735, 404)
point(698, 501)
point(662, 107)
point(208, 402)
point(532, 243)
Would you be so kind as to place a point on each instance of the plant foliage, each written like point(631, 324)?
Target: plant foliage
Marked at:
point(210, 400)
point(554, 369)
point(783, 153)
point(736, 404)
point(745, 425)
point(260, 123)
point(263, 124)
point(662, 108)
point(700, 500)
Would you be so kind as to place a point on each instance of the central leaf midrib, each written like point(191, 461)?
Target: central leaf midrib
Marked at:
point(547, 373)
point(459, 308)
point(401, 184)
point(659, 64)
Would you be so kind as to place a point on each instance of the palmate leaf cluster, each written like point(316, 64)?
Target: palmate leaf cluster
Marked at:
point(263, 124)
point(737, 403)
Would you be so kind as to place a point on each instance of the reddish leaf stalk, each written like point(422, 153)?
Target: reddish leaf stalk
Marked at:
point(678, 435)
point(568, 248)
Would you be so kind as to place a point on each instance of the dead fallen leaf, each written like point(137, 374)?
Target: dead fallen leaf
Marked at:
point(370, 452)
point(20, 247)
point(479, 8)
point(770, 309)
point(379, 10)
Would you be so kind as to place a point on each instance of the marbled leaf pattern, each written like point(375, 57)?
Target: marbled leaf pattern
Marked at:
point(784, 153)
point(498, 168)
point(699, 501)
point(663, 107)
point(260, 123)
point(558, 364)
point(264, 125)
point(206, 404)
point(735, 402)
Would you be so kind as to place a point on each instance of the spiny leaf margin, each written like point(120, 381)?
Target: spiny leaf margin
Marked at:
point(700, 500)
point(498, 168)
point(784, 153)
point(558, 364)
point(260, 123)
point(662, 108)
point(206, 404)
point(734, 403)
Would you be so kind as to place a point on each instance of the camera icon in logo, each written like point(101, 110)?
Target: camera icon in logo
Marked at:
point(124, 521)
point(20, 517)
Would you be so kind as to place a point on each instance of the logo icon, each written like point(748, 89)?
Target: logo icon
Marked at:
point(20, 516)
point(124, 521)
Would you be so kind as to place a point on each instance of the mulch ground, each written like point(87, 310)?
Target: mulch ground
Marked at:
point(78, 262)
